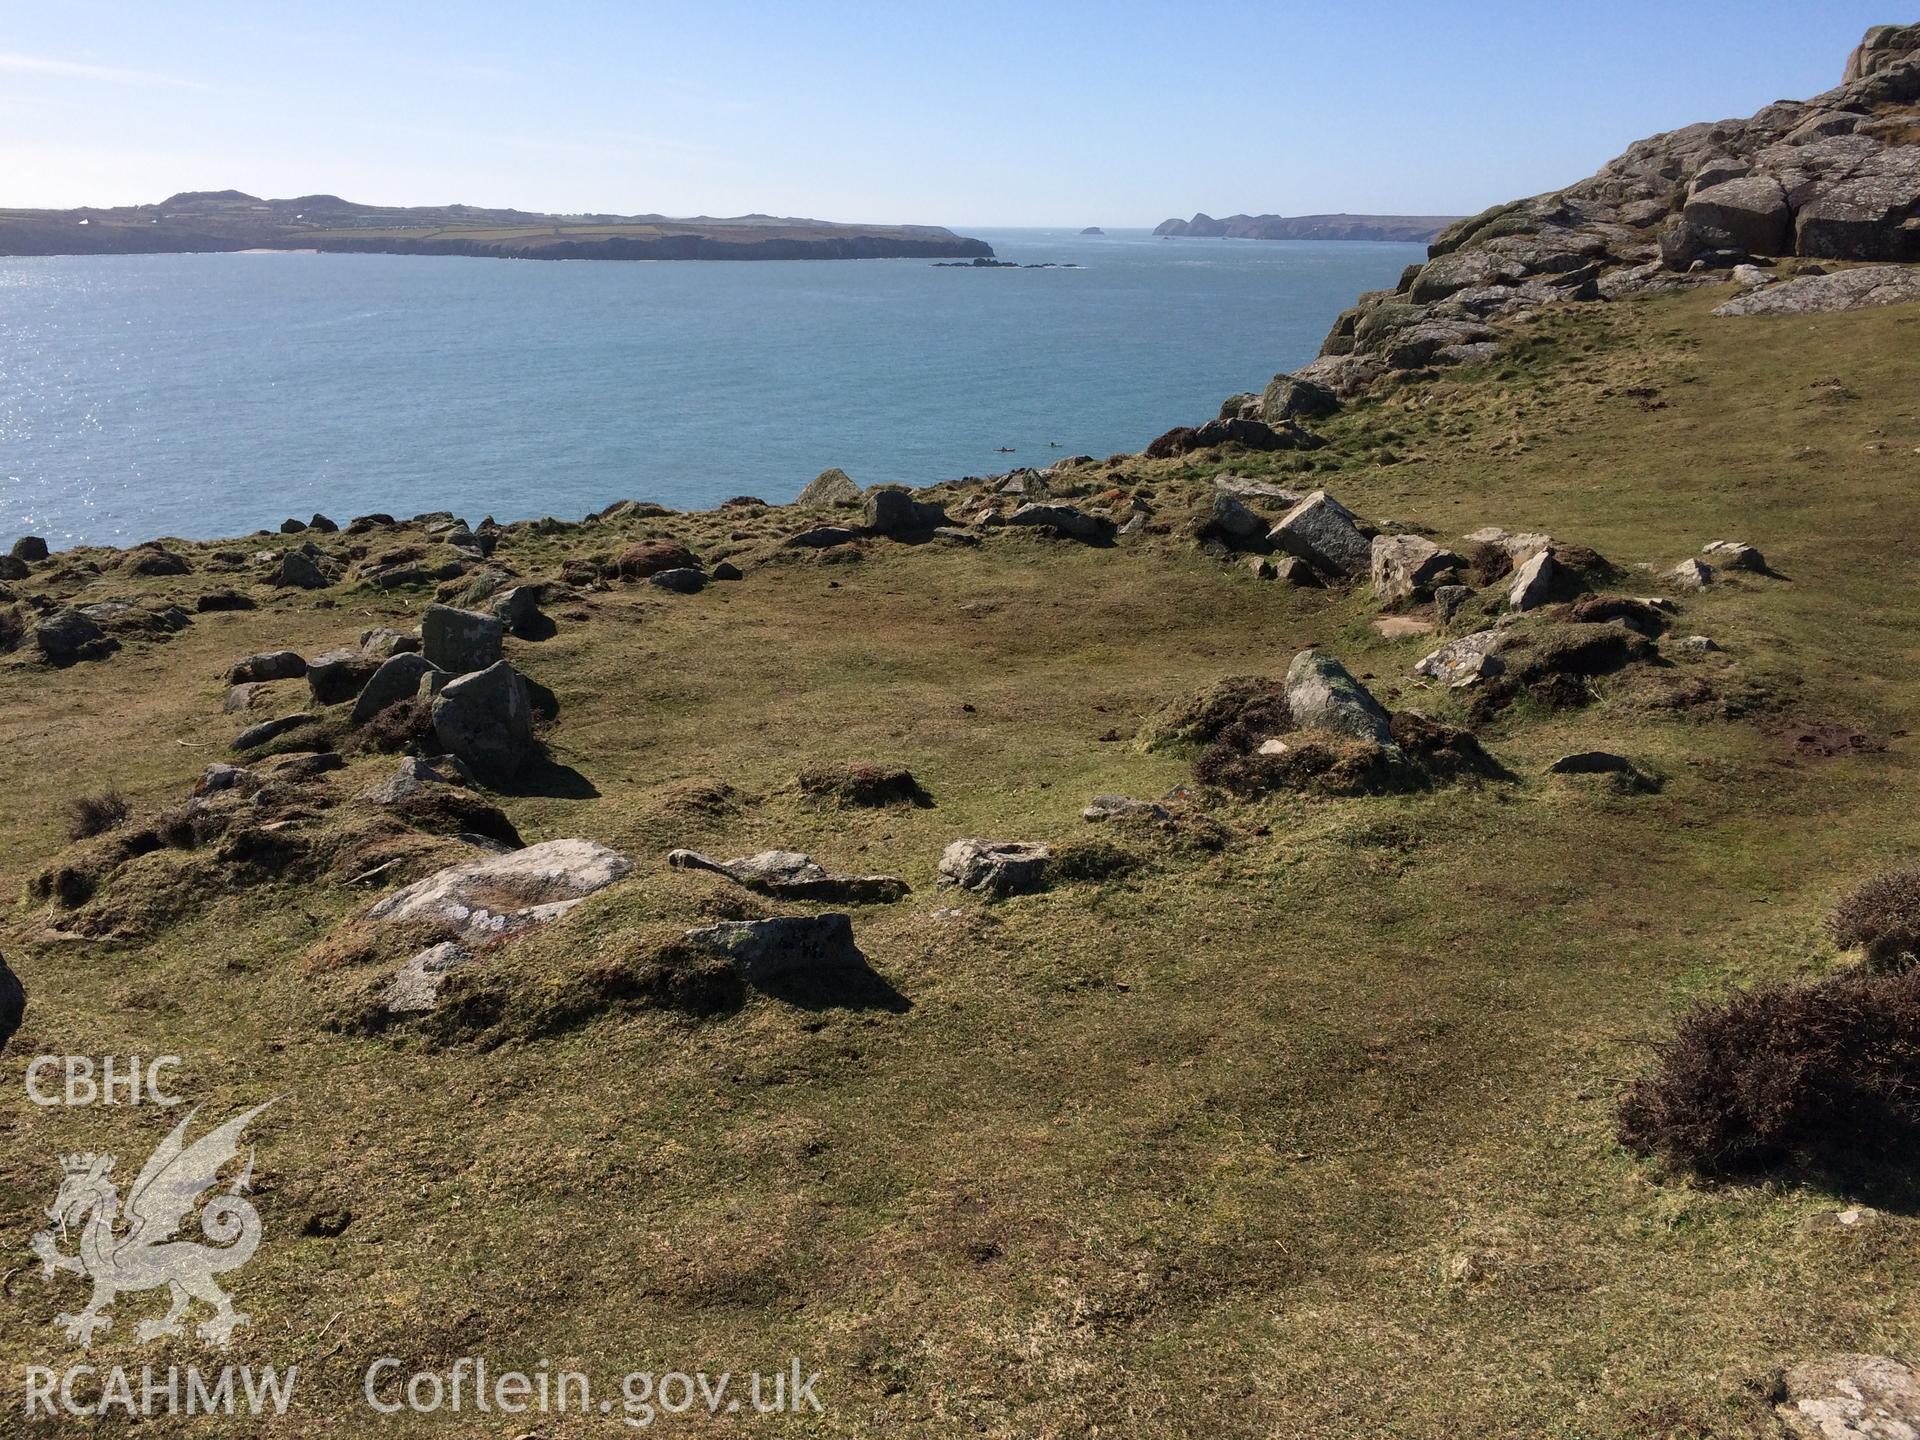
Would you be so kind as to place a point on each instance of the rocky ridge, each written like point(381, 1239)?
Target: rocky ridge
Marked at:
point(1835, 178)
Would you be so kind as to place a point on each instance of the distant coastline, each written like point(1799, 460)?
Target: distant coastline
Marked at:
point(231, 220)
point(1416, 229)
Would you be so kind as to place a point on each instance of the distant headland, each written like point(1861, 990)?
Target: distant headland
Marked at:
point(1415, 229)
point(214, 220)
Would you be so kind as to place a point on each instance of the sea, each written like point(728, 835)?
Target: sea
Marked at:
point(210, 395)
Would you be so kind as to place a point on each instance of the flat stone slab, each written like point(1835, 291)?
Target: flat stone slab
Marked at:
point(1113, 807)
point(1824, 294)
point(1466, 661)
point(254, 736)
point(505, 893)
point(1399, 627)
point(790, 875)
point(415, 987)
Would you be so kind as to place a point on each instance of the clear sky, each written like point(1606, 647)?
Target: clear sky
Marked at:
point(983, 114)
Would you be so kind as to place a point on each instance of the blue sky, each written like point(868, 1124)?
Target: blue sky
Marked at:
point(976, 114)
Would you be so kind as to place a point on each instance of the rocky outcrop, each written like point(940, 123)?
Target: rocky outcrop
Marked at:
point(1323, 695)
point(1064, 522)
point(486, 719)
point(1245, 431)
point(1851, 1397)
point(1325, 534)
point(69, 635)
point(414, 988)
point(397, 679)
point(268, 665)
point(414, 773)
point(995, 867)
point(1465, 661)
point(650, 557)
point(1824, 294)
point(1834, 177)
point(1532, 584)
point(829, 487)
point(254, 736)
point(1287, 397)
point(1882, 49)
point(338, 675)
point(459, 641)
point(892, 511)
point(307, 568)
point(1408, 567)
point(1735, 555)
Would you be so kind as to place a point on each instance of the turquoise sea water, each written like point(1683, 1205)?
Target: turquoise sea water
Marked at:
point(203, 395)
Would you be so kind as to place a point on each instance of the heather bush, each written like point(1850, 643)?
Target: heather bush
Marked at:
point(90, 815)
point(1822, 1076)
point(1881, 918)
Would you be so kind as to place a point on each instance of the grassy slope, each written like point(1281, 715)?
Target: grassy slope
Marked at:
point(1198, 1152)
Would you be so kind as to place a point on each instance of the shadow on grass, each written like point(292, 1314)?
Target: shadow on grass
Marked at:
point(851, 986)
point(549, 778)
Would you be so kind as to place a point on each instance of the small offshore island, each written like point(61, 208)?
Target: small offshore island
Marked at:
point(225, 220)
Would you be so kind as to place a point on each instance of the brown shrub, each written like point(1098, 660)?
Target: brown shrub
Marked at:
point(1091, 860)
point(1580, 567)
point(488, 1006)
point(404, 725)
point(1255, 704)
point(650, 557)
point(1556, 664)
point(440, 810)
point(90, 815)
point(1446, 752)
point(1488, 563)
point(1634, 613)
point(1177, 441)
point(152, 559)
point(1322, 763)
point(861, 783)
point(1823, 1077)
point(1882, 918)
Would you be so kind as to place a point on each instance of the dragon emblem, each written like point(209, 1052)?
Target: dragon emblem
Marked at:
point(134, 1249)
